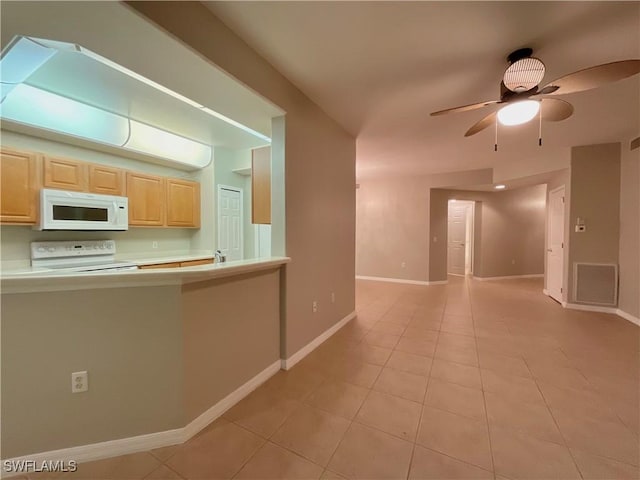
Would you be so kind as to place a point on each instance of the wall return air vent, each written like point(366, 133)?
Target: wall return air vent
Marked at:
point(595, 284)
point(66, 89)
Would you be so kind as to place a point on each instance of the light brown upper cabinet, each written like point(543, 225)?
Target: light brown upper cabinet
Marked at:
point(261, 185)
point(20, 178)
point(106, 180)
point(146, 199)
point(65, 174)
point(183, 203)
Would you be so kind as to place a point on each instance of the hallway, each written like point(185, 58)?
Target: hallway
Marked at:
point(466, 380)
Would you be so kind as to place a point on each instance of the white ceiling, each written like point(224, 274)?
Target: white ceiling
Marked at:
point(380, 68)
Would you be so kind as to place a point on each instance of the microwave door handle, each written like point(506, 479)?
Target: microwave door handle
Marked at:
point(116, 212)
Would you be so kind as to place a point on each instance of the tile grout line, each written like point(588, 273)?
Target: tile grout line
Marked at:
point(352, 420)
point(424, 397)
point(555, 422)
point(484, 398)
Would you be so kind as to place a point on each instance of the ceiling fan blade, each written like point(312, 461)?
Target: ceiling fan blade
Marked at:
point(482, 124)
point(554, 109)
point(465, 108)
point(592, 77)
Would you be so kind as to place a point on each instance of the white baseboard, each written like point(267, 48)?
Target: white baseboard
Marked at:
point(287, 363)
point(628, 316)
point(400, 280)
point(229, 401)
point(509, 277)
point(98, 451)
point(596, 308)
point(591, 308)
point(142, 443)
point(545, 291)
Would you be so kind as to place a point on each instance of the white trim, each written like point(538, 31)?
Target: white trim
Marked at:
point(287, 363)
point(591, 308)
point(509, 277)
point(218, 216)
point(599, 309)
point(142, 443)
point(229, 401)
point(545, 291)
point(400, 280)
point(628, 316)
point(98, 451)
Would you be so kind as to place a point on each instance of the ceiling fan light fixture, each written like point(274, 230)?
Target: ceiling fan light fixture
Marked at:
point(517, 113)
point(524, 74)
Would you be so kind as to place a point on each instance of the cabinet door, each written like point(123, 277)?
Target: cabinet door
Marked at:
point(19, 186)
point(183, 203)
point(261, 185)
point(194, 263)
point(146, 199)
point(65, 174)
point(106, 180)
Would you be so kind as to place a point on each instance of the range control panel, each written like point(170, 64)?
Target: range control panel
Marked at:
point(66, 249)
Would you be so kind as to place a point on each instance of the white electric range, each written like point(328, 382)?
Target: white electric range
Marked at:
point(78, 256)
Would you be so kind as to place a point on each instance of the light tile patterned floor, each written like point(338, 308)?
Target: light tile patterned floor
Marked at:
point(465, 380)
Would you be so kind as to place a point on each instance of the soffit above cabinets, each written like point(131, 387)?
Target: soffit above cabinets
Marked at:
point(109, 105)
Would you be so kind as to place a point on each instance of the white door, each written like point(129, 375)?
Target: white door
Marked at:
point(456, 235)
point(230, 222)
point(555, 243)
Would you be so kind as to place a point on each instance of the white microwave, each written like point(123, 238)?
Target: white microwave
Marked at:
point(63, 210)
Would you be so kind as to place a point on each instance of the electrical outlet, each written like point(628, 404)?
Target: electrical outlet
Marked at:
point(403, 264)
point(314, 306)
point(513, 262)
point(333, 297)
point(154, 244)
point(79, 382)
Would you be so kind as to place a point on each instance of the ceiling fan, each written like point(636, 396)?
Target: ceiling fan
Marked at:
point(523, 99)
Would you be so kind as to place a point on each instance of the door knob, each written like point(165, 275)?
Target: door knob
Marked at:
point(549, 250)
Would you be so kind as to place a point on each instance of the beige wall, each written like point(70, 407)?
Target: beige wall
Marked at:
point(508, 232)
point(157, 357)
point(438, 222)
point(392, 224)
point(320, 175)
point(392, 229)
point(629, 299)
point(595, 197)
point(227, 339)
point(128, 339)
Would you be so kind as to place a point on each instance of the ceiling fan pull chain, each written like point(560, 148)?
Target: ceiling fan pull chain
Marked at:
point(540, 126)
point(495, 145)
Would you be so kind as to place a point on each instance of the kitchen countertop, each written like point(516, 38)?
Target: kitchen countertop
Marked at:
point(42, 280)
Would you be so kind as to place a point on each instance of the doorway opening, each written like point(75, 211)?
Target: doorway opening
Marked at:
point(460, 225)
